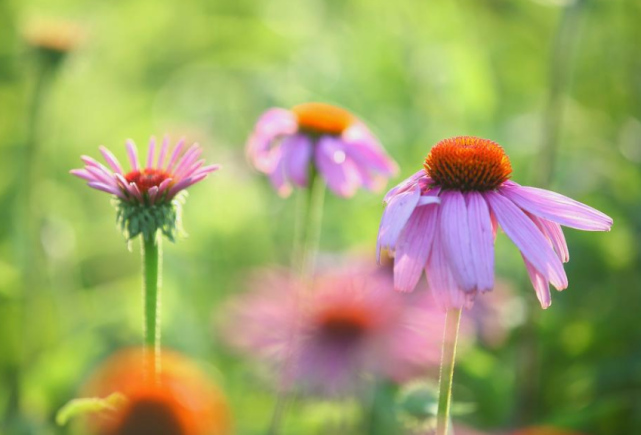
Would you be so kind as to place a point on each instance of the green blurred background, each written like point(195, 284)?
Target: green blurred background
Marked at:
point(556, 82)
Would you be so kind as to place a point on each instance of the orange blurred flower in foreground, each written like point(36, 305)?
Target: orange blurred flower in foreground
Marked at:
point(544, 430)
point(184, 402)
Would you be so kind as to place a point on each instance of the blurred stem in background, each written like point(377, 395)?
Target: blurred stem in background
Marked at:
point(561, 62)
point(152, 266)
point(448, 358)
point(27, 219)
point(306, 240)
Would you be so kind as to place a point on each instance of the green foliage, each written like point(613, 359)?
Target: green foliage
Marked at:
point(84, 406)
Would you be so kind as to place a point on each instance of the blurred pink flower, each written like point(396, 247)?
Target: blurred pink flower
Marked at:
point(444, 219)
point(348, 325)
point(288, 145)
point(154, 181)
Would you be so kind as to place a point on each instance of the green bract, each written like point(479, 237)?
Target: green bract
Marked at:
point(142, 219)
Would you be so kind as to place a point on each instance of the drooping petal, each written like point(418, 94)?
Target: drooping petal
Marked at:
point(413, 247)
point(132, 153)
point(395, 216)
point(277, 174)
point(335, 169)
point(105, 188)
point(273, 124)
point(481, 240)
point(405, 185)
point(298, 157)
point(455, 228)
point(366, 151)
point(101, 176)
point(554, 234)
point(540, 284)
point(528, 238)
point(440, 279)
point(111, 160)
point(556, 208)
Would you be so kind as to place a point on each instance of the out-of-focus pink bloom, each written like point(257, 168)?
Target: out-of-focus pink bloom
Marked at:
point(288, 145)
point(156, 180)
point(444, 219)
point(348, 325)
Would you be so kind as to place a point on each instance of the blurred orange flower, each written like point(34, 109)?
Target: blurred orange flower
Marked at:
point(183, 402)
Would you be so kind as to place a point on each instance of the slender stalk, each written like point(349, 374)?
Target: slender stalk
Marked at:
point(306, 243)
point(151, 255)
point(448, 356)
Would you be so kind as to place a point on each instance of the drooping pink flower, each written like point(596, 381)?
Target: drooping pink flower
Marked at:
point(444, 219)
point(348, 325)
point(156, 180)
point(288, 145)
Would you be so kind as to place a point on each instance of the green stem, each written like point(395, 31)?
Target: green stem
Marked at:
point(448, 356)
point(151, 254)
point(306, 244)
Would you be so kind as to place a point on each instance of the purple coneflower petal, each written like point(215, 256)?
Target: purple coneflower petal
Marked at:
point(413, 247)
point(337, 172)
point(151, 152)
point(102, 177)
point(84, 174)
point(277, 175)
point(554, 234)
point(152, 192)
point(164, 185)
point(298, 157)
point(399, 209)
point(192, 169)
point(163, 152)
point(185, 183)
point(540, 284)
point(481, 240)
point(133, 188)
point(105, 188)
point(440, 279)
point(132, 153)
point(206, 170)
point(405, 185)
point(187, 159)
point(457, 240)
point(556, 208)
point(111, 160)
point(174, 156)
point(527, 237)
point(365, 149)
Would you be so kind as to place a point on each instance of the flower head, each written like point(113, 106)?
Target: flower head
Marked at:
point(290, 145)
point(349, 324)
point(148, 195)
point(444, 219)
point(183, 402)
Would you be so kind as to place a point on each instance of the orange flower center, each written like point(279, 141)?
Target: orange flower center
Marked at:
point(321, 118)
point(468, 163)
point(344, 324)
point(150, 416)
point(147, 178)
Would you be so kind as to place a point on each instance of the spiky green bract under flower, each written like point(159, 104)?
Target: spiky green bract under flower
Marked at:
point(143, 219)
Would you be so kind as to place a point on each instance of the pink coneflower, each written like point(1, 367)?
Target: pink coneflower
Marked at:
point(444, 219)
point(290, 145)
point(350, 324)
point(147, 191)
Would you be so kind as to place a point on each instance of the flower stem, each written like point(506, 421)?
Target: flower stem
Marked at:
point(306, 243)
point(448, 356)
point(151, 255)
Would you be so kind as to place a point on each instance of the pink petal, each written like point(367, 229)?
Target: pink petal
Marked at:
point(187, 159)
point(277, 175)
point(185, 183)
point(133, 188)
point(105, 188)
point(174, 156)
point(163, 152)
point(365, 149)
point(456, 239)
point(405, 185)
point(396, 214)
point(164, 184)
point(206, 170)
point(440, 279)
point(298, 158)
point(111, 160)
point(554, 234)
point(151, 152)
point(540, 284)
point(413, 247)
point(84, 174)
point(557, 208)
point(152, 192)
point(101, 176)
point(273, 124)
point(481, 240)
point(528, 238)
point(132, 153)
point(335, 169)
